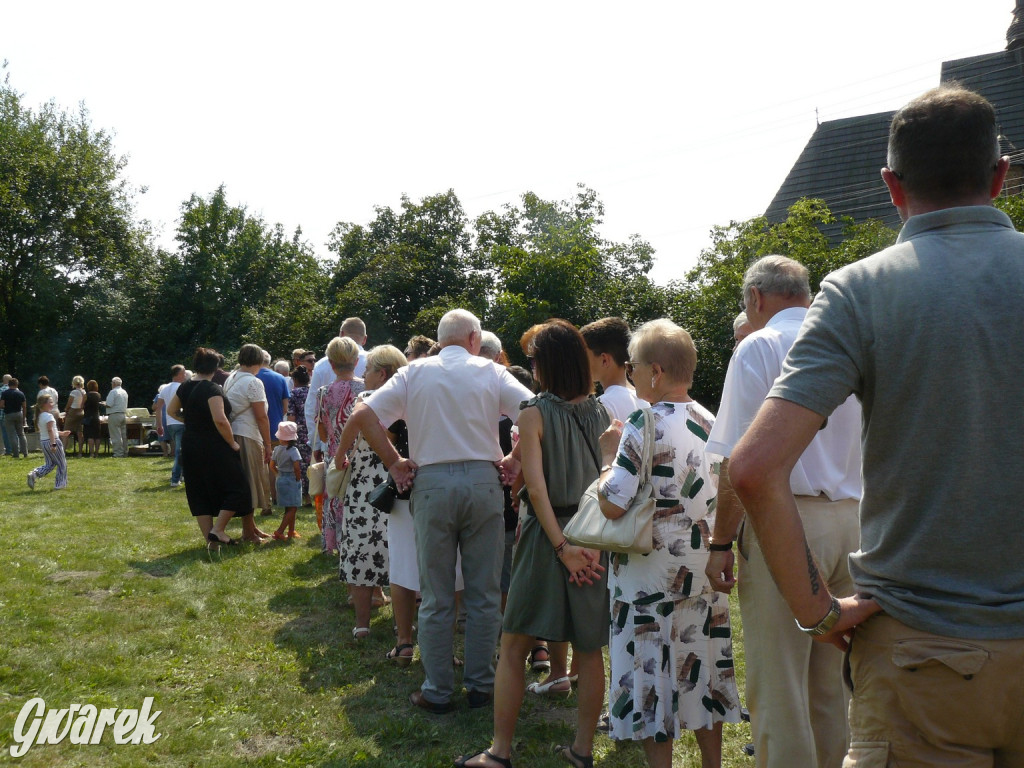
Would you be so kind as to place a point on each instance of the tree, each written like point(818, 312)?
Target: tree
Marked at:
point(547, 259)
point(406, 268)
point(66, 216)
point(233, 279)
point(711, 294)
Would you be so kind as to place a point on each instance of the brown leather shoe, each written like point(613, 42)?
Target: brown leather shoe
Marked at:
point(418, 699)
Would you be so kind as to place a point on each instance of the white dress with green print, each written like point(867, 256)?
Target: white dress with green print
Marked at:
point(671, 642)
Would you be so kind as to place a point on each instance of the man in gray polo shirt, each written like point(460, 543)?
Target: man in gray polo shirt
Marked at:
point(452, 404)
point(923, 334)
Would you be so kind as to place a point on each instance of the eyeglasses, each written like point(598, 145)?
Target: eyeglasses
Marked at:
point(630, 365)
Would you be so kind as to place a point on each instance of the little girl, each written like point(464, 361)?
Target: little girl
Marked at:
point(50, 442)
point(285, 466)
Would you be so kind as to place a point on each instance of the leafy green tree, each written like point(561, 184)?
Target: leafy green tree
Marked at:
point(66, 226)
point(548, 259)
point(710, 296)
point(406, 268)
point(233, 279)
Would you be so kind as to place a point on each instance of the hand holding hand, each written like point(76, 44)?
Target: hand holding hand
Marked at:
point(404, 473)
point(508, 468)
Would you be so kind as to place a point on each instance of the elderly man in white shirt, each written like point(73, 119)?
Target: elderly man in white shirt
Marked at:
point(795, 690)
point(452, 404)
point(322, 375)
point(117, 413)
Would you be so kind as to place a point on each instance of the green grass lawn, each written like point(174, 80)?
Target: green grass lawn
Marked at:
point(107, 596)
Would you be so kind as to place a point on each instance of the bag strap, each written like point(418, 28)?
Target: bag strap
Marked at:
point(648, 455)
point(586, 439)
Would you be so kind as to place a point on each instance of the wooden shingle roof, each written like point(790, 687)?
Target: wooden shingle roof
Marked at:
point(841, 162)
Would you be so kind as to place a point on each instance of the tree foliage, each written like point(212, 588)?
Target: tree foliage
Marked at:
point(548, 259)
point(83, 289)
point(710, 296)
point(66, 219)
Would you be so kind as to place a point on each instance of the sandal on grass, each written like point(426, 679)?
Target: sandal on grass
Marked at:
point(570, 755)
point(540, 665)
point(360, 632)
point(504, 762)
point(548, 688)
point(396, 655)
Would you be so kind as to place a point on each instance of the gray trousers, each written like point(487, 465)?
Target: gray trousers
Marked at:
point(15, 423)
point(458, 506)
point(118, 434)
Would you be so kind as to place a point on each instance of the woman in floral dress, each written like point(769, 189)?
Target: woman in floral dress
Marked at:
point(296, 411)
point(335, 406)
point(671, 644)
point(362, 538)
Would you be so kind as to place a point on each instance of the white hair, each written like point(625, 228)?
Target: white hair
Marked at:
point(490, 345)
point(457, 325)
point(116, 381)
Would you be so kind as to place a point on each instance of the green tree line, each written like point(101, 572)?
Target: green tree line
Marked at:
point(85, 290)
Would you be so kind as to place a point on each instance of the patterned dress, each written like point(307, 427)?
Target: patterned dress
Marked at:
point(336, 402)
point(362, 536)
point(296, 414)
point(671, 643)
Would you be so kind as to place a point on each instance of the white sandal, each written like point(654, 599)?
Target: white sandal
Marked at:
point(547, 689)
point(360, 632)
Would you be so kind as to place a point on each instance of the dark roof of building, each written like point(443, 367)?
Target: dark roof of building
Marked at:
point(840, 165)
point(841, 162)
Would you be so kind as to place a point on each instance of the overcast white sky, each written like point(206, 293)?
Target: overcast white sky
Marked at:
point(680, 115)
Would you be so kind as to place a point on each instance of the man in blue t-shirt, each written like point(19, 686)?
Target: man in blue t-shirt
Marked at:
point(276, 387)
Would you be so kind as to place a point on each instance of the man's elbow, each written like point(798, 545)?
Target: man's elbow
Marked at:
point(748, 471)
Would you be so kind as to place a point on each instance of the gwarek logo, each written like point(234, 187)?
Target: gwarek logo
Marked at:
point(82, 725)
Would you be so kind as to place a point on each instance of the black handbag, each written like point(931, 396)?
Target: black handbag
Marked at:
point(382, 498)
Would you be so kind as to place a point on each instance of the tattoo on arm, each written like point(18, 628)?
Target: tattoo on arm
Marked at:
point(812, 572)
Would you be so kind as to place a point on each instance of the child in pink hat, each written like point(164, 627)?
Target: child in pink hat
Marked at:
point(285, 467)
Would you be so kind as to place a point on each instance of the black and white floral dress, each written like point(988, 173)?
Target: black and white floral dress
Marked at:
point(363, 534)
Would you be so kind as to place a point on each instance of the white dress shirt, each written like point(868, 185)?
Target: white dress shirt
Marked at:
point(452, 404)
point(831, 463)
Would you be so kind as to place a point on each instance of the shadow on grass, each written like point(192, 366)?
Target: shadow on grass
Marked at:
point(171, 564)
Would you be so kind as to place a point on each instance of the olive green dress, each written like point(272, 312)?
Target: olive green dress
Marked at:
point(541, 600)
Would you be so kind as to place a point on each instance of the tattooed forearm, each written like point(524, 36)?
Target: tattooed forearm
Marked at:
point(812, 572)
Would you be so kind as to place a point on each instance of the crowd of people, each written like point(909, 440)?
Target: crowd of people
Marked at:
point(816, 470)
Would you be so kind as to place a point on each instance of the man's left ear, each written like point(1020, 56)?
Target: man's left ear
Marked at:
point(999, 177)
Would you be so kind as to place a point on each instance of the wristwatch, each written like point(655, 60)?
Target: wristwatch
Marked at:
point(826, 624)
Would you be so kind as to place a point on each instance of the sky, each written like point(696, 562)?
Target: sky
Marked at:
point(680, 117)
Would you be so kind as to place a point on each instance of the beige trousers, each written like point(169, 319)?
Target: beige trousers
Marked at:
point(795, 692)
point(923, 700)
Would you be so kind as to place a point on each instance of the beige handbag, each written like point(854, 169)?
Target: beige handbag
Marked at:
point(632, 533)
point(336, 480)
point(315, 475)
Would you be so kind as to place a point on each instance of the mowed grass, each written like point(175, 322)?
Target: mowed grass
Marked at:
point(107, 596)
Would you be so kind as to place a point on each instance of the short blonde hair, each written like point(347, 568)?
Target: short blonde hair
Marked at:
point(665, 343)
point(386, 358)
point(342, 352)
point(77, 382)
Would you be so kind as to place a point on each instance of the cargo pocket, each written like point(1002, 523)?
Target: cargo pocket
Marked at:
point(938, 694)
point(962, 658)
point(867, 754)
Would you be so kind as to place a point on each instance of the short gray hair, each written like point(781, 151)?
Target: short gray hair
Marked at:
point(490, 345)
point(116, 381)
point(456, 325)
point(777, 276)
point(741, 318)
point(266, 358)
